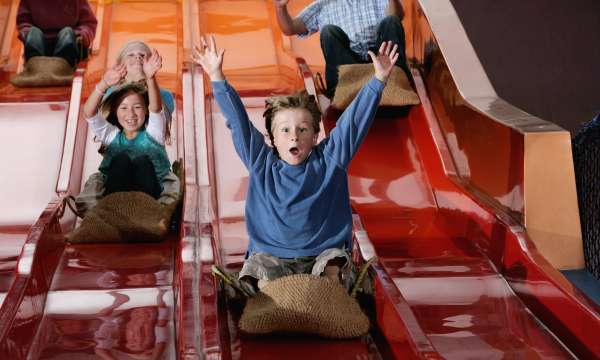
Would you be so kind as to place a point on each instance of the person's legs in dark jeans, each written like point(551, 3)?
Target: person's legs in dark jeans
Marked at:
point(390, 28)
point(145, 179)
point(66, 46)
point(35, 44)
point(119, 175)
point(336, 50)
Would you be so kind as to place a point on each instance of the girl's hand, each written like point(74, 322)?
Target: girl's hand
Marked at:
point(384, 61)
point(114, 75)
point(210, 58)
point(152, 64)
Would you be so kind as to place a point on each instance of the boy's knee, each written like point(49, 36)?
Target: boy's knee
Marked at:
point(331, 32)
point(332, 272)
point(35, 32)
point(261, 284)
point(390, 21)
point(66, 33)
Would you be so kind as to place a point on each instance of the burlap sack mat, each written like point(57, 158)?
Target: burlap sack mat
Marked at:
point(93, 190)
point(129, 217)
point(304, 304)
point(352, 78)
point(44, 71)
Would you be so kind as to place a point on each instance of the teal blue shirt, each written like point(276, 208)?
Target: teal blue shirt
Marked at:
point(142, 144)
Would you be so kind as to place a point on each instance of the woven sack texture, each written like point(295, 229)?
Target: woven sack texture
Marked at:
point(129, 217)
point(93, 191)
point(352, 78)
point(304, 304)
point(44, 71)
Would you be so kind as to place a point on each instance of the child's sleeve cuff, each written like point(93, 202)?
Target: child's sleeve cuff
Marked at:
point(219, 86)
point(376, 84)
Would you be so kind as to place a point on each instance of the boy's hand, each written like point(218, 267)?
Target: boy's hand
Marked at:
point(152, 64)
point(384, 61)
point(210, 59)
point(114, 75)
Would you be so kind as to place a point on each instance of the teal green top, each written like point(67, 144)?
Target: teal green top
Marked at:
point(142, 144)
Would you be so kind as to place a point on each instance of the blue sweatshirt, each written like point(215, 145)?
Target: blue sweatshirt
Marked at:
point(299, 210)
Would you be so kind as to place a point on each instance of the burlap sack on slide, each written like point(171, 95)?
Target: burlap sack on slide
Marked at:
point(304, 304)
point(124, 217)
point(352, 78)
point(42, 71)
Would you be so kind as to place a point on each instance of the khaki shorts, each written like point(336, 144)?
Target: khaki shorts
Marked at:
point(264, 266)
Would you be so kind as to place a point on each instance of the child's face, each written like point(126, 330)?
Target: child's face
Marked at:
point(293, 135)
point(134, 59)
point(131, 113)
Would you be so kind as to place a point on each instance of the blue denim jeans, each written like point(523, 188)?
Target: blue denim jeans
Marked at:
point(65, 45)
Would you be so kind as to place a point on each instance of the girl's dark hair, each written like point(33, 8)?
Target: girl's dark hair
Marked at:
point(140, 86)
point(299, 100)
point(109, 106)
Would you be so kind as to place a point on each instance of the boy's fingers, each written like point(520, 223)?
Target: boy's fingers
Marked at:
point(213, 44)
point(372, 55)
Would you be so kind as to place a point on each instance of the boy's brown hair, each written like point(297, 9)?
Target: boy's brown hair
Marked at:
point(299, 100)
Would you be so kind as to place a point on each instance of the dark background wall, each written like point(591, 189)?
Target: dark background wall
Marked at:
point(542, 56)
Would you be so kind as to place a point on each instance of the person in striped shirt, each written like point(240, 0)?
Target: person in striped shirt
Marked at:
point(349, 29)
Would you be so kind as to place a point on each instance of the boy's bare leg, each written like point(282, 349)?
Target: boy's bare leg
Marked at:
point(262, 283)
point(332, 272)
point(333, 269)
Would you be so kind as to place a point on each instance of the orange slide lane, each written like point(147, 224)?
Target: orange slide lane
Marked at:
point(79, 300)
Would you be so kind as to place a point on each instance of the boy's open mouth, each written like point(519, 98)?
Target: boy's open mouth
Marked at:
point(294, 151)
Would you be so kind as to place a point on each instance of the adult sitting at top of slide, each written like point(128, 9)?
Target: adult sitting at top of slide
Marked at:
point(61, 28)
point(349, 29)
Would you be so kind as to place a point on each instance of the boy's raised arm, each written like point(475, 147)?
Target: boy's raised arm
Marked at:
point(248, 141)
point(354, 123)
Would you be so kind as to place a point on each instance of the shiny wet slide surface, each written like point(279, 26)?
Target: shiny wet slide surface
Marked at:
point(463, 305)
point(116, 301)
point(31, 138)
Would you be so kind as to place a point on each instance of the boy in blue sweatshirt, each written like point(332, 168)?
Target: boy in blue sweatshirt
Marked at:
point(298, 212)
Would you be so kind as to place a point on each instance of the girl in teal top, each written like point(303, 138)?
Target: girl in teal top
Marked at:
point(133, 133)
